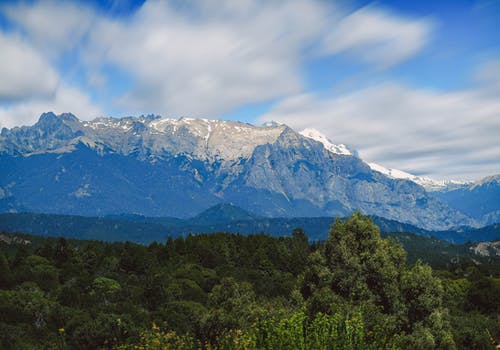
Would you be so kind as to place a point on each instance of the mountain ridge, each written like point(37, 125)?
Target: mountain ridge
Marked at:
point(178, 167)
point(148, 229)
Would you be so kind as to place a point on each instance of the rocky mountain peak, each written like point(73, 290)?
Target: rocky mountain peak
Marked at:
point(48, 118)
point(327, 143)
point(494, 179)
point(177, 167)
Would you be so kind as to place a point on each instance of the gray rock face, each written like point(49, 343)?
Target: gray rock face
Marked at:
point(479, 200)
point(179, 167)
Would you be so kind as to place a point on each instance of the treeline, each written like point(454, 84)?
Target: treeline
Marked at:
point(225, 291)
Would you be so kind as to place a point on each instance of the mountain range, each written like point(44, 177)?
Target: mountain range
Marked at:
point(162, 167)
point(219, 218)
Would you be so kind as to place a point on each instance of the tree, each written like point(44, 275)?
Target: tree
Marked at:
point(369, 271)
point(299, 251)
point(105, 289)
point(483, 294)
point(231, 304)
point(364, 266)
point(5, 274)
point(62, 252)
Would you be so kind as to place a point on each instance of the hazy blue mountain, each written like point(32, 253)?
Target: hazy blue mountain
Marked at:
point(222, 213)
point(81, 227)
point(480, 200)
point(220, 218)
point(178, 167)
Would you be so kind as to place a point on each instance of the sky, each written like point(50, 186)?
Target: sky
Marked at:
point(411, 85)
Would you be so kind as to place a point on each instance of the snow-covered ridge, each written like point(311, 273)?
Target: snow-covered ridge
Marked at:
point(394, 173)
point(222, 139)
point(426, 182)
point(329, 145)
point(486, 180)
point(153, 137)
point(203, 139)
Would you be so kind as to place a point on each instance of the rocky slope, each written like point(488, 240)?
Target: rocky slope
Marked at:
point(479, 200)
point(179, 167)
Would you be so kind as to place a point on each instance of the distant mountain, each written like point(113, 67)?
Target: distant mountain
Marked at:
point(179, 167)
point(479, 200)
point(429, 184)
point(80, 227)
point(222, 213)
point(226, 218)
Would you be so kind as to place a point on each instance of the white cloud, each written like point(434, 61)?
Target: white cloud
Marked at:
point(376, 36)
point(205, 58)
point(210, 59)
point(54, 27)
point(30, 83)
point(24, 73)
point(489, 76)
point(65, 99)
point(423, 132)
point(201, 58)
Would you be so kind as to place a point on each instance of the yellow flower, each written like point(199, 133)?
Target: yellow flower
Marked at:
point(61, 330)
point(154, 327)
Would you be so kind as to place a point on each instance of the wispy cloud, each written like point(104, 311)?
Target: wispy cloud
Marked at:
point(24, 73)
point(53, 27)
point(203, 58)
point(378, 37)
point(43, 40)
point(417, 130)
point(64, 99)
point(208, 58)
point(488, 75)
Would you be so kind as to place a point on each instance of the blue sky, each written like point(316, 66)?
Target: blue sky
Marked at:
point(413, 85)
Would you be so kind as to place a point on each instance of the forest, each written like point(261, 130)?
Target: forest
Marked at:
point(354, 290)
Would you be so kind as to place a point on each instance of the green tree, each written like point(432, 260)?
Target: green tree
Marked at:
point(106, 289)
point(62, 252)
point(366, 270)
point(5, 274)
point(299, 252)
point(364, 267)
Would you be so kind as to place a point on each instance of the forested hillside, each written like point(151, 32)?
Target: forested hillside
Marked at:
point(144, 230)
point(227, 291)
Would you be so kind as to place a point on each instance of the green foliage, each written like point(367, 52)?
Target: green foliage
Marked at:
point(105, 289)
point(5, 274)
point(483, 294)
point(363, 266)
point(224, 291)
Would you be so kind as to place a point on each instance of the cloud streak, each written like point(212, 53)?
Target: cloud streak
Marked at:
point(24, 73)
point(53, 27)
point(65, 99)
point(227, 55)
point(378, 37)
point(209, 58)
point(416, 130)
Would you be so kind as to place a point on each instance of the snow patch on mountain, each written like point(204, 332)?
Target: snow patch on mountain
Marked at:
point(204, 139)
point(329, 145)
point(429, 184)
point(271, 124)
point(485, 181)
point(192, 164)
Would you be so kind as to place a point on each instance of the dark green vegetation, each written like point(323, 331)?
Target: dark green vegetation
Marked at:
point(220, 218)
point(354, 291)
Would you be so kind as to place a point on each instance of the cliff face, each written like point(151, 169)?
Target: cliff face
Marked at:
point(179, 167)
